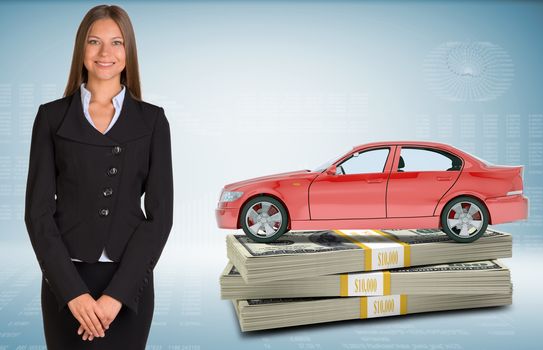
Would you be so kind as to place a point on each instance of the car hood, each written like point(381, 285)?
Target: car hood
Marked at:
point(279, 176)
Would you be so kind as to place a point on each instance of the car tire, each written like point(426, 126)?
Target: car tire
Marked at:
point(464, 219)
point(258, 219)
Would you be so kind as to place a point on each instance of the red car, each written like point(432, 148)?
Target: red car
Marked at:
point(383, 185)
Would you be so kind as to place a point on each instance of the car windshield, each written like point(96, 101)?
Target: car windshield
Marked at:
point(329, 162)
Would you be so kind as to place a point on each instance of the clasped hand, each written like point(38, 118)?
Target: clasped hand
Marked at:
point(94, 316)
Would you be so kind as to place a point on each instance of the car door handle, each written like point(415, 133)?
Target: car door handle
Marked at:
point(374, 181)
point(444, 178)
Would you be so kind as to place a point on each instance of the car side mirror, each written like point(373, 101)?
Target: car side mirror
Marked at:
point(331, 170)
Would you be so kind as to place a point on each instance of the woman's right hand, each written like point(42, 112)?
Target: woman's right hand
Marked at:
point(88, 312)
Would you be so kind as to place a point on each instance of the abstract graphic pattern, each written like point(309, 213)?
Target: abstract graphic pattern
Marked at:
point(468, 71)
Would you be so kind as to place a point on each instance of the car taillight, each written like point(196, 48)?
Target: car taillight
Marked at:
point(514, 193)
point(517, 184)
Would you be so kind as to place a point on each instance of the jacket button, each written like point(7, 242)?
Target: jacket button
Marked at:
point(112, 171)
point(116, 150)
point(104, 212)
point(145, 280)
point(108, 191)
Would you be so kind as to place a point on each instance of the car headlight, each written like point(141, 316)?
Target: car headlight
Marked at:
point(230, 196)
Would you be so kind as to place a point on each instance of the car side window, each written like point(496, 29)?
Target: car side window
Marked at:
point(372, 161)
point(426, 159)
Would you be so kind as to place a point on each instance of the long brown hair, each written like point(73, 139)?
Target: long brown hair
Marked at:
point(130, 76)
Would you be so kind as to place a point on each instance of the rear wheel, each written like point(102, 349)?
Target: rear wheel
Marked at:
point(264, 219)
point(464, 219)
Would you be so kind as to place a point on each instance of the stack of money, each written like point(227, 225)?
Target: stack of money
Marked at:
point(482, 277)
point(260, 314)
point(322, 276)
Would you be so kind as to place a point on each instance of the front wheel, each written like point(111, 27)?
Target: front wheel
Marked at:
point(464, 219)
point(264, 219)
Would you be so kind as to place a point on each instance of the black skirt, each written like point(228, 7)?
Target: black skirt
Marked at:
point(127, 331)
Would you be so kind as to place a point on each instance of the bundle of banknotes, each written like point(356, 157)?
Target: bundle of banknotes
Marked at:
point(310, 277)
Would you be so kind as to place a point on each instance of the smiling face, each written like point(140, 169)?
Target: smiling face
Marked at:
point(105, 56)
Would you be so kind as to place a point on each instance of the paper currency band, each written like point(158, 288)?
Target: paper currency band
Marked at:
point(368, 266)
point(344, 289)
point(406, 247)
point(365, 302)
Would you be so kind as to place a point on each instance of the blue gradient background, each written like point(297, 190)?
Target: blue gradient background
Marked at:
point(253, 88)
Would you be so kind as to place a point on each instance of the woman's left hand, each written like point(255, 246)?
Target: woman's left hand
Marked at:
point(110, 307)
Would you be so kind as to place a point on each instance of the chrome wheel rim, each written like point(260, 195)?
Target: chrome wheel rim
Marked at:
point(465, 219)
point(263, 219)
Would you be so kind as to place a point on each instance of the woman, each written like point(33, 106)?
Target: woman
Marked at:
point(93, 154)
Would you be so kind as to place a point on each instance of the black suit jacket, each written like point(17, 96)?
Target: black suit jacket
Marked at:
point(98, 180)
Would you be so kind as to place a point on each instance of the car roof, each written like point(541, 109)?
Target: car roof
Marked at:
point(431, 144)
point(410, 143)
point(442, 146)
